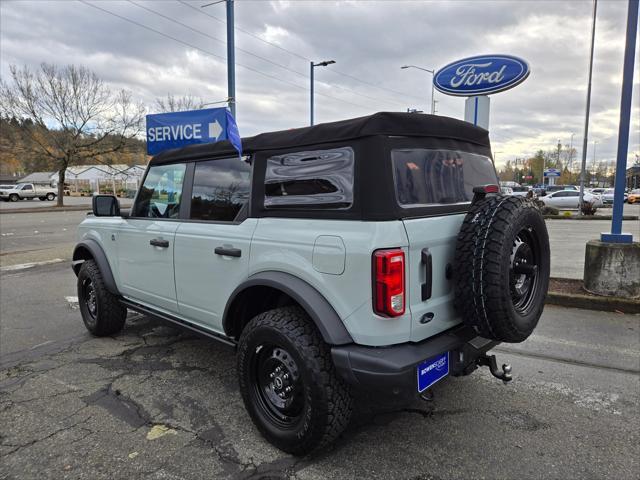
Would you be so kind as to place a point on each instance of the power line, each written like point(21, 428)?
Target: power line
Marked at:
point(388, 101)
point(215, 38)
point(302, 57)
point(206, 52)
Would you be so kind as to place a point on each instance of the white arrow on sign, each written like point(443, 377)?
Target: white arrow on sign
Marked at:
point(215, 130)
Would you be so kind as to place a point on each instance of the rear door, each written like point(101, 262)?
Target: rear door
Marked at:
point(430, 177)
point(212, 247)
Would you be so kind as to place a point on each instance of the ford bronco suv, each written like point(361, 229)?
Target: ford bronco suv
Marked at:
point(368, 255)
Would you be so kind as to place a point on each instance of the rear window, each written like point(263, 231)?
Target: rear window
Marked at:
point(437, 177)
point(310, 179)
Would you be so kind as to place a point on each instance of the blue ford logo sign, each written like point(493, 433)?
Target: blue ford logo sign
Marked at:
point(481, 75)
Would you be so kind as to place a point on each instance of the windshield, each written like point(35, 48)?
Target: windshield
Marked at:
point(427, 177)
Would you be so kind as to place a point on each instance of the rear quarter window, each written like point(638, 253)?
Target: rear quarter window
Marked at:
point(437, 177)
point(320, 179)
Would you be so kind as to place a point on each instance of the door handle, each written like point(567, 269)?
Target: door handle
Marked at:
point(159, 242)
point(228, 252)
point(428, 274)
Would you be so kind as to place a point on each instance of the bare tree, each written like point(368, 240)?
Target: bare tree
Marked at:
point(75, 115)
point(177, 104)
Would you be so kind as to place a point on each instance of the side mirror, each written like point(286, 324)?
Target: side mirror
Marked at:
point(105, 206)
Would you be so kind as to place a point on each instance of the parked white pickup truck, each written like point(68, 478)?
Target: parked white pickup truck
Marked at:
point(28, 191)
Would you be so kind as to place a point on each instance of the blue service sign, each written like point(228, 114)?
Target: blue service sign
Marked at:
point(178, 129)
point(552, 172)
point(481, 75)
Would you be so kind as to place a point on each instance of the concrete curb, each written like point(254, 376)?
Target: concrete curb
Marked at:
point(593, 302)
point(590, 217)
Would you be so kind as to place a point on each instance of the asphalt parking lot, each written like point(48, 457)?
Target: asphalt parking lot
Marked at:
point(158, 402)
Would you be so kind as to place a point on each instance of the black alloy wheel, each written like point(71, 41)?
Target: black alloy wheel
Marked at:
point(101, 310)
point(277, 385)
point(89, 300)
point(523, 272)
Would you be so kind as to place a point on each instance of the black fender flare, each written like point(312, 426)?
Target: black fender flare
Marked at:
point(98, 255)
point(317, 307)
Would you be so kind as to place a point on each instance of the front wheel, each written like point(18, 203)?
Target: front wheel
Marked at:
point(288, 382)
point(101, 311)
point(14, 197)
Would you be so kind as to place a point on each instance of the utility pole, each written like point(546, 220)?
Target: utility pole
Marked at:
point(570, 161)
point(585, 139)
point(593, 162)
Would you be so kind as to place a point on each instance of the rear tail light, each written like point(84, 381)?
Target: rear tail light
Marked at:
point(388, 282)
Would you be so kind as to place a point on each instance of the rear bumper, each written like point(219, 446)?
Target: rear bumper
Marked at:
point(392, 370)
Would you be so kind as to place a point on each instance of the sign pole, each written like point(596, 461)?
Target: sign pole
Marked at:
point(585, 138)
point(231, 59)
point(616, 235)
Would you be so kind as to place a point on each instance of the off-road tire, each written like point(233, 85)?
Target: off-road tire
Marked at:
point(110, 314)
point(489, 255)
point(327, 403)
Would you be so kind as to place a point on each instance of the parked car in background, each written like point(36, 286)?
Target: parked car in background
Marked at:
point(634, 196)
point(506, 190)
point(607, 196)
point(557, 188)
point(28, 191)
point(597, 190)
point(520, 191)
point(569, 199)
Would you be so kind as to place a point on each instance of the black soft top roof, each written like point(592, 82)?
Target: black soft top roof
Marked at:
point(382, 123)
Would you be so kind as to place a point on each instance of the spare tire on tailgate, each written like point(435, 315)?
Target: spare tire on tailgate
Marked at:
point(502, 267)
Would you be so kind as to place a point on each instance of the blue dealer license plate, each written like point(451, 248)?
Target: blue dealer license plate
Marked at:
point(432, 370)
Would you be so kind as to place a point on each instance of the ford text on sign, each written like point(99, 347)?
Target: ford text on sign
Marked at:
point(178, 129)
point(481, 75)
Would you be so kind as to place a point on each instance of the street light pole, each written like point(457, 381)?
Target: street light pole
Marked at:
point(312, 66)
point(585, 139)
point(570, 162)
point(433, 90)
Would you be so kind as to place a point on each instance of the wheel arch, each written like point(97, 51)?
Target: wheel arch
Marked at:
point(91, 250)
point(266, 290)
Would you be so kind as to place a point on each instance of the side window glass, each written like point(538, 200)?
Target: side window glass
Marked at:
point(220, 189)
point(161, 193)
point(312, 179)
point(27, 187)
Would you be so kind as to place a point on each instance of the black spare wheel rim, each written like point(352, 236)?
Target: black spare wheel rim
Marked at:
point(523, 271)
point(90, 300)
point(278, 387)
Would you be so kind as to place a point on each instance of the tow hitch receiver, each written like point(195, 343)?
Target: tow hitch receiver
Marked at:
point(490, 361)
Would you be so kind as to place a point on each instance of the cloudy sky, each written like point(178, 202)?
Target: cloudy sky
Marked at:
point(176, 47)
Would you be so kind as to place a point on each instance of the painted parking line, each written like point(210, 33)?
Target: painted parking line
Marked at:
point(24, 266)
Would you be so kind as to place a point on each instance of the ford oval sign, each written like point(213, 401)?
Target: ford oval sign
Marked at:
point(481, 75)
